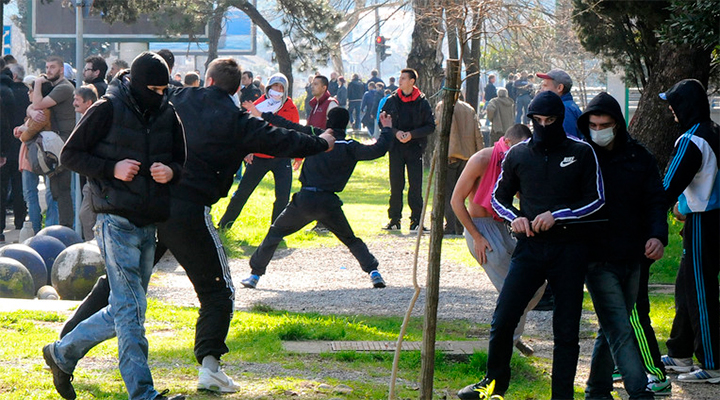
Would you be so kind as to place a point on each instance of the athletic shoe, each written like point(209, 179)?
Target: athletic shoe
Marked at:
point(216, 381)
point(320, 229)
point(61, 379)
point(377, 279)
point(526, 350)
point(250, 282)
point(473, 391)
point(659, 387)
point(162, 396)
point(394, 225)
point(701, 375)
point(617, 376)
point(677, 364)
point(414, 227)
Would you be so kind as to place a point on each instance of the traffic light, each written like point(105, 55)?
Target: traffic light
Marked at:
point(381, 49)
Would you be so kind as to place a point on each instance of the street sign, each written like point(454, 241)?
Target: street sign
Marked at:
point(7, 43)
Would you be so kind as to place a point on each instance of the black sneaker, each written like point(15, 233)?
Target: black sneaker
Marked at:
point(61, 379)
point(414, 227)
point(162, 396)
point(377, 279)
point(394, 225)
point(473, 391)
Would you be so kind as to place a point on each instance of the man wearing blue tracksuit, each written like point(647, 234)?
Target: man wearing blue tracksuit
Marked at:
point(692, 180)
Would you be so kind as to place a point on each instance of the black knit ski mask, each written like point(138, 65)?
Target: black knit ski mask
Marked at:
point(148, 69)
point(547, 104)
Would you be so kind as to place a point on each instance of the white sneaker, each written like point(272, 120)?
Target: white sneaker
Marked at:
point(216, 381)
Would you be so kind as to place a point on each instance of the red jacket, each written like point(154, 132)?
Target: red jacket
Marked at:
point(318, 117)
point(287, 111)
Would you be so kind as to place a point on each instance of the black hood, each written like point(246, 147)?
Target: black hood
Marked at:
point(603, 103)
point(689, 101)
point(120, 88)
point(547, 104)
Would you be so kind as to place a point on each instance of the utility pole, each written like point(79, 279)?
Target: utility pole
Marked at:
point(378, 56)
point(79, 67)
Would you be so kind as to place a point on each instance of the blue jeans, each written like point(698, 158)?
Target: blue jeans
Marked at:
point(52, 216)
point(613, 287)
point(30, 194)
point(563, 265)
point(355, 114)
point(128, 251)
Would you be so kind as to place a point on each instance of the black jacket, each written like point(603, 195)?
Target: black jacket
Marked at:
point(634, 205)
point(114, 129)
point(692, 177)
point(414, 116)
point(330, 171)
point(220, 135)
point(356, 90)
point(8, 146)
point(100, 86)
point(250, 93)
point(560, 175)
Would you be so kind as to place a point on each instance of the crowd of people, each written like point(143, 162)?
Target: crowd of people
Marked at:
point(155, 154)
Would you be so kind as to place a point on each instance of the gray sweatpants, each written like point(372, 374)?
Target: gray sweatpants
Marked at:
point(498, 260)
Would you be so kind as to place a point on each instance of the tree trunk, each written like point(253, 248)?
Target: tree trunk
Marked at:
point(337, 61)
point(276, 38)
point(214, 32)
point(425, 57)
point(427, 367)
point(653, 124)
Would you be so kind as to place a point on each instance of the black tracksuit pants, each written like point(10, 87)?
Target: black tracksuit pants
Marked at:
point(307, 206)
point(254, 173)
point(11, 177)
point(405, 156)
point(189, 234)
point(644, 332)
point(696, 327)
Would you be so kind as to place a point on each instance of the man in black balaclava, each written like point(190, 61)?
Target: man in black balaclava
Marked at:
point(558, 180)
point(131, 146)
point(322, 176)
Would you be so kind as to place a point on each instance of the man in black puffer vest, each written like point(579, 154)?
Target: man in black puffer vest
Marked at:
point(219, 136)
point(131, 146)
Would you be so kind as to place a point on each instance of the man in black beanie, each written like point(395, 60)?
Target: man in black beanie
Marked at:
point(558, 181)
point(322, 176)
point(131, 146)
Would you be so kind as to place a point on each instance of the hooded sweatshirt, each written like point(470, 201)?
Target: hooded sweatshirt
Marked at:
point(634, 196)
point(288, 110)
point(552, 173)
point(692, 177)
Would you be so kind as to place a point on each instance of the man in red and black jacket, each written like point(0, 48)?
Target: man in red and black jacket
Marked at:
point(413, 121)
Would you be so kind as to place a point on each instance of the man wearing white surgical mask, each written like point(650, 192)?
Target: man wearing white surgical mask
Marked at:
point(635, 233)
point(276, 101)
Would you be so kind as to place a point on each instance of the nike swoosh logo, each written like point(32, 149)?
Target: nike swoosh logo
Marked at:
point(564, 163)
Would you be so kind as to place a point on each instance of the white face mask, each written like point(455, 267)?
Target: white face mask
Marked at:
point(275, 95)
point(603, 137)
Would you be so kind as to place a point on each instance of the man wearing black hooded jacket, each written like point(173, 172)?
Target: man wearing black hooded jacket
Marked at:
point(636, 230)
point(559, 182)
point(692, 180)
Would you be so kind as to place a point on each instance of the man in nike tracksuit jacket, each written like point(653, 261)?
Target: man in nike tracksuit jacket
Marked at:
point(558, 181)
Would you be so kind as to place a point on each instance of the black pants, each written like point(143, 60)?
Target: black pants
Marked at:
point(189, 234)
point(452, 225)
point(11, 178)
point(696, 327)
point(307, 206)
point(563, 265)
point(405, 156)
point(60, 188)
point(644, 332)
point(254, 173)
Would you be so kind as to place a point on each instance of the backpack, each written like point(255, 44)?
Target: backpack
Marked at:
point(44, 152)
